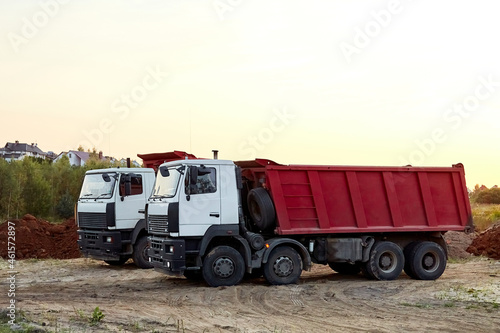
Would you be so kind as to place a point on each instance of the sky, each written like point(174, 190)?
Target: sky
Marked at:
point(331, 82)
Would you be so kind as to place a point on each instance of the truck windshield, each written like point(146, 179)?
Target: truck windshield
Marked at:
point(95, 187)
point(166, 187)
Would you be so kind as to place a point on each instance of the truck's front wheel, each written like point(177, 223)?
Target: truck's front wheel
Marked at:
point(283, 266)
point(223, 266)
point(140, 254)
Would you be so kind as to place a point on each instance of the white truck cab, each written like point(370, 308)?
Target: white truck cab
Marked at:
point(111, 225)
point(192, 209)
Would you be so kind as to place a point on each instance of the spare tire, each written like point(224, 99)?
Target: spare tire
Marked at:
point(261, 209)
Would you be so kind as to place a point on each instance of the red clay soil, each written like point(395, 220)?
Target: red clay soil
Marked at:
point(37, 238)
point(487, 243)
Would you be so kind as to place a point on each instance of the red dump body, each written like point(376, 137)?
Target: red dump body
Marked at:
point(352, 199)
point(154, 160)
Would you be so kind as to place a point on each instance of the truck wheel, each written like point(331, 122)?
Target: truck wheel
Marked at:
point(140, 254)
point(261, 208)
point(427, 261)
point(345, 268)
point(283, 266)
point(386, 261)
point(223, 266)
point(119, 262)
point(407, 253)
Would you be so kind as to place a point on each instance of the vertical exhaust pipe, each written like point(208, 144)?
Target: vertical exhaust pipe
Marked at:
point(128, 162)
point(216, 154)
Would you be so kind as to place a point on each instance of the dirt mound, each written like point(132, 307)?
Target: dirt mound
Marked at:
point(37, 238)
point(458, 242)
point(487, 243)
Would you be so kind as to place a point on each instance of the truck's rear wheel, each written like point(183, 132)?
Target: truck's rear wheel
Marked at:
point(386, 261)
point(345, 268)
point(261, 209)
point(140, 255)
point(283, 266)
point(223, 266)
point(407, 253)
point(119, 262)
point(427, 261)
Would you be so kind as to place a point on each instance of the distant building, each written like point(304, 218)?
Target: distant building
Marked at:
point(16, 151)
point(79, 158)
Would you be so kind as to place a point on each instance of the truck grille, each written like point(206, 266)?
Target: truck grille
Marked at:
point(158, 224)
point(92, 220)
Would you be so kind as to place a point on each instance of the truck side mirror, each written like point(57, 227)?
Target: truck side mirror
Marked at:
point(191, 179)
point(193, 175)
point(126, 180)
point(106, 177)
point(203, 170)
point(164, 171)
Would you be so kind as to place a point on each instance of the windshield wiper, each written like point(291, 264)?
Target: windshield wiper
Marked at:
point(101, 195)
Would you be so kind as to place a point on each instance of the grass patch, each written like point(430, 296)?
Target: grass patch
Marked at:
point(485, 215)
point(474, 297)
point(417, 305)
point(96, 317)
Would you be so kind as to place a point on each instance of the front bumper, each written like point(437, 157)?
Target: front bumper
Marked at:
point(167, 255)
point(95, 244)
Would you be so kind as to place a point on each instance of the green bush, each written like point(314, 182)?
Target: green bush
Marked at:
point(42, 188)
point(489, 196)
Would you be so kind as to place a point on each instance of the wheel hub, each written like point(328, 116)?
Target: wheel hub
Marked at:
point(223, 267)
point(386, 262)
point(283, 266)
point(429, 261)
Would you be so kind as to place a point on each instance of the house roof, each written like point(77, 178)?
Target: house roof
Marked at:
point(11, 147)
point(84, 156)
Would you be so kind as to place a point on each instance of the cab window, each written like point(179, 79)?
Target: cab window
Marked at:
point(205, 183)
point(135, 185)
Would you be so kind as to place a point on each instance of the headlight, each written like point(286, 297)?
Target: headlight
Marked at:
point(109, 239)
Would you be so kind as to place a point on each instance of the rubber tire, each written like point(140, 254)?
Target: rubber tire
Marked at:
point(407, 252)
point(261, 209)
point(385, 251)
point(292, 257)
point(119, 262)
point(140, 255)
point(425, 252)
point(345, 268)
point(221, 255)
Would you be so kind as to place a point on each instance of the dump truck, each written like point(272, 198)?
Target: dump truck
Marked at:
point(219, 219)
point(110, 210)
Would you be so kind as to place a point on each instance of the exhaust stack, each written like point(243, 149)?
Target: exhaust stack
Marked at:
point(216, 154)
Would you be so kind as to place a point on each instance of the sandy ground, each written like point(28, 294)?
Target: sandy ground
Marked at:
point(60, 295)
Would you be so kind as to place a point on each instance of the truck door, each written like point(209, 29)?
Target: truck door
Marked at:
point(129, 204)
point(200, 201)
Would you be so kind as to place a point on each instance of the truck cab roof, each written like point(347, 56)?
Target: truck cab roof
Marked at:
point(198, 162)
point(122, 170)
